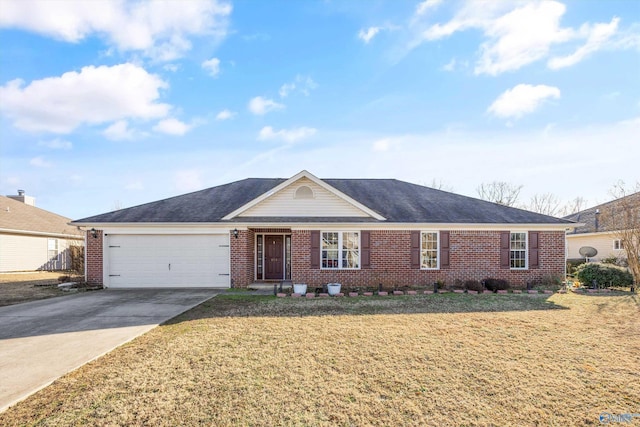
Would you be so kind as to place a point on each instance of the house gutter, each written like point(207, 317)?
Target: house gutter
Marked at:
point(218, 226)
point(42, 234)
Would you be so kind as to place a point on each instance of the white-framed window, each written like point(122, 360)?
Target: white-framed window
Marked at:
point(52, 249)
point(429, 250)
point(617, 245)
point(340, 250)
point(518, 251)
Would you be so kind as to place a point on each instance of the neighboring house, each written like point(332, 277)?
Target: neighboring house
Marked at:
point(359, 232)
point(32, 238)
point(596, 229)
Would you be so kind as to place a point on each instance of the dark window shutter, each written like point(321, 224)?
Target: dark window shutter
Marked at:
point(365, 249)
point(505, 248)
point(315, 249)
point(444, 249)
point(415, 249)
point(534, 256)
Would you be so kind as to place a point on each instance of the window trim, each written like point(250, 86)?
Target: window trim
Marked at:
point(526, 250)
point(341, 251)
point(620, 246)
point(422, 234)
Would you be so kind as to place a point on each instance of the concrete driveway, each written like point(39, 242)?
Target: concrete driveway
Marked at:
point(42, 340)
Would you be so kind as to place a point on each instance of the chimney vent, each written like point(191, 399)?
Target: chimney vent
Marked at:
point(22, 197)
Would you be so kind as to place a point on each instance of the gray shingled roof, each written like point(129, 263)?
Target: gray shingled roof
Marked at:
point(397, 201)
point(15, 215)
point(588, 216)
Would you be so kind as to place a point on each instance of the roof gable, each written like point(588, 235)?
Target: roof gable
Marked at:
point(304, 195)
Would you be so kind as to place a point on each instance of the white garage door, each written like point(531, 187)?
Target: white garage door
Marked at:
point(156, 261)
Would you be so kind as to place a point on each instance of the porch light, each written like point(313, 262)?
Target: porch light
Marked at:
point(94, 233)
point(235, 233)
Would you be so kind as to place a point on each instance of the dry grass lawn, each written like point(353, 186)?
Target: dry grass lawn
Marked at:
point(486, 360)
point(16, 288)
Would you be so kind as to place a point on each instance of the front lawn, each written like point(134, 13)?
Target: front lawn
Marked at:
point(423, 360)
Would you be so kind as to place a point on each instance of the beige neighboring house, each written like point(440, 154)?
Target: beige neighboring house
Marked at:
point(595, 232)
point(32, 238)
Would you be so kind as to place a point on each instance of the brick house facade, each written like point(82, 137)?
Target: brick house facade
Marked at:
point(392, 246)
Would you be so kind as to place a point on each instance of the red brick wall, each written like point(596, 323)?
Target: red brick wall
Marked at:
point(94, 258)
point(473, 255)
point(242, 259)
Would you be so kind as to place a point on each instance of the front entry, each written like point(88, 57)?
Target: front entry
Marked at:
point(273, 258)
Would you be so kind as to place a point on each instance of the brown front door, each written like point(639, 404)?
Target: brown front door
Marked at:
point(273, 258)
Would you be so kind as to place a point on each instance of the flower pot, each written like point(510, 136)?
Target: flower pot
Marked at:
point(300, 288)
point(333, 288)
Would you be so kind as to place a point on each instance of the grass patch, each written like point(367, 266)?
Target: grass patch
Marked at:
point(432, 360)
point(16, 288)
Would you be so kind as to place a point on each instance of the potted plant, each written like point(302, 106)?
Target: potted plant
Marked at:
point(333, 288)
point(300, 288)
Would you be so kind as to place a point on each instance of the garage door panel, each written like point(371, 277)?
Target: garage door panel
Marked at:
point(168, 260)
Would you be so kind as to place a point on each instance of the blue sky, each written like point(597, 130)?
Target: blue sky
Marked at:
point(113, 104)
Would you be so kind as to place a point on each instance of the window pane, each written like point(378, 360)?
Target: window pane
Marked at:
point(329, 240)
point(350, 241)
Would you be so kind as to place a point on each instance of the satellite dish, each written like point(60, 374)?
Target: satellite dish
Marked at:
point(588, 251)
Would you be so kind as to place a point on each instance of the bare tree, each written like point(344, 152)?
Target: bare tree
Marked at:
point(499, 192)
point(439, 184)
point(573, 206)
point(546, 204)
point(622, 217)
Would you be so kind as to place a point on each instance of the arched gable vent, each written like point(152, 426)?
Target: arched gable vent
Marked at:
point(303, 192)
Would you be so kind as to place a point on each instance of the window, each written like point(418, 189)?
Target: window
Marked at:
point(340, 250)
point(52, 247)
point(429, 250)
point(617, 245)
point(518, 251)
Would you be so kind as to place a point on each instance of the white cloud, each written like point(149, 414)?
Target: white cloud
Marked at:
point(385, 144)
point(120, 131)
point(134, 186)
point(225, 115)
point(287, 135)
point(426, 5)
point(301, 84)
point(159, 30)
point(40, 162)
point(172, 126)
point(261, 106)
point(450, 66)
point(171, 67)
point(521, 37)
point(56, 144)
point(596, 35)
point(368, 34)
point(92, 96)
point(212, 66)
point(521, 100)
point(285, 89)
point(188, 180)
point(517, 34)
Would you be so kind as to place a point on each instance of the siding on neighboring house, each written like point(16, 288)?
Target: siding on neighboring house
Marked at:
point(602, 242)
point(286, 203)
point(29, 253)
